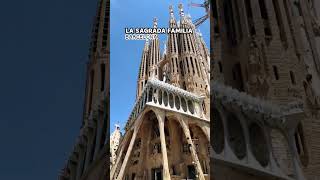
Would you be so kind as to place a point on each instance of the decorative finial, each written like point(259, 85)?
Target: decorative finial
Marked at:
point(117, 126)
point(155, 22)
point(171, 11)
point(181, 9)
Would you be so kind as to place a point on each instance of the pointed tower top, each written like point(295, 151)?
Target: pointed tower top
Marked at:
point(181, 9)
point(146, 45)
point(171, 11)
point(117, 126)
point(155, 22)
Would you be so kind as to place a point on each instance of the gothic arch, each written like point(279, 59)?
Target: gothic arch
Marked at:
point(217, 131)
point(259, 145)
point(236, 137)
point(202, 145)
point(281, 151)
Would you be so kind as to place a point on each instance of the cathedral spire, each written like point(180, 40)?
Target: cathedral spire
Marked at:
point(171, 12)
point(143, 70)
point(100, 30)
point(153, 54)
point(155, 22)
point(181, 10)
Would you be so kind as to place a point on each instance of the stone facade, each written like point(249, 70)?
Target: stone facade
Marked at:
point(89, 159)
point(167, 134)
point(265, 89)
point(115, 139)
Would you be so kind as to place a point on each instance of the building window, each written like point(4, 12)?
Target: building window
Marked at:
point(185, 148)
point(177, 66)
point(187, 65)
point(220, 67)
point(293, 79)
point(229, 22)
point(277, 10)
point(300, 145)
point(250, 17)
point(181, 68)
point(238, 21)
point(93, 146)
point(297, 8)
point(192, 66)
point(263, 9)
point(103, 76)
point(192, 173)
point(286, 7)
point(184, 87)
point(275, 72)
point(157, 174)
point(91, 89)
point(264, 16)
point(215, 17)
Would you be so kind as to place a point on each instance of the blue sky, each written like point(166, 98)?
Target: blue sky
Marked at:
point(44, 48)
point(126, 55)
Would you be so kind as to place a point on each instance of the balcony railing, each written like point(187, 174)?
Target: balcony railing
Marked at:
point(165, 96)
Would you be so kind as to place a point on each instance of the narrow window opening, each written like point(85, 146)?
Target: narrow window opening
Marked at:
point(283, 36)
point(238, 19)
point(103, 76)
point(276, 73)
point(192, 66)
point(237, 77)
point(230, 23)
point(216, 18)
point(91, 89)
point(220, 67)
point(293, 79)
point(250, 17)
point(177, 66)
point(93, 146)
point(181, 68)
point(187, 65)
point(301, 145)
point(286, 7)
point(264, 16)
point(297, 8)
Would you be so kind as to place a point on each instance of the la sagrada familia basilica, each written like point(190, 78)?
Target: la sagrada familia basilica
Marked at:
point(256, 94)
point(167, 135)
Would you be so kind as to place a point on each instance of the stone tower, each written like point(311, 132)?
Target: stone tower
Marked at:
point(115, 139)
point(265, 89)
point(167, 133)
point(89, 157)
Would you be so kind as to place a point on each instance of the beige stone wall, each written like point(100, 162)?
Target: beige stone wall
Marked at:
point(273, 65)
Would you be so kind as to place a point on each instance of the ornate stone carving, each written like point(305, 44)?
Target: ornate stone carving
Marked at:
point(314, 19)
point(312, 99)
point(257, 79)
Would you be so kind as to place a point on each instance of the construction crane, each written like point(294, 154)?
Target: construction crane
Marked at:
point(205, 5)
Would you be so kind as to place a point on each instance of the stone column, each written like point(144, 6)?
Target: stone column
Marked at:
point(73, 171)
point(161, 118)
point(89, 149)
point(126, 158)
point(192, 149)
point(80, 161)
point(99, 134)
point(295, 157)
